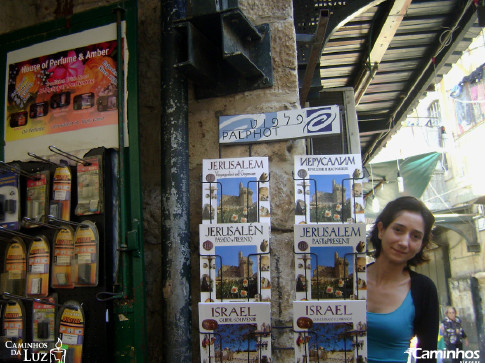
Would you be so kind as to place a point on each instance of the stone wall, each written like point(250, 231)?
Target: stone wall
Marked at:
point(462, 300)
point(203, 144)
point(203, 141)
point(463, 266)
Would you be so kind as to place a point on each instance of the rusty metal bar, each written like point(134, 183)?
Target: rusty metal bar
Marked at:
point(175, 207)
point(315, 54)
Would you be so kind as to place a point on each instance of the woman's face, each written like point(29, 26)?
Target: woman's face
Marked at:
point(403, 238)
point(451, 314)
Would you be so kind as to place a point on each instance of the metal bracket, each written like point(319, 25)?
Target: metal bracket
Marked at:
point(223, 53)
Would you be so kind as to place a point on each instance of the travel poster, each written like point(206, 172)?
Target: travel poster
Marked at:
point(330, 331)
point(235, 190)
point(330, 261)
point(235, 332)
point(234, 262)
point(328, 189)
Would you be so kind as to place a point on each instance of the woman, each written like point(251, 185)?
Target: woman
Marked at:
point(453, 332)
point(401, 303)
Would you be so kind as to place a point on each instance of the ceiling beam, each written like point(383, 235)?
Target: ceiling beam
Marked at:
point(384, 37)
point(388, 30)
point(463, 20)
point(315, 54)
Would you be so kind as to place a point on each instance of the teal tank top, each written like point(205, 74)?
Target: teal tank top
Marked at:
point(388, 335)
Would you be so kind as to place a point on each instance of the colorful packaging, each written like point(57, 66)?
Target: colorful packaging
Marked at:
point(44, 320)
point(37, 199)
point(13, 278)
point(90, 187)
point(71, 333)
point(38, 268)
point(13, 320)
point(63, 258)
point(86, 254)
point(60, 206)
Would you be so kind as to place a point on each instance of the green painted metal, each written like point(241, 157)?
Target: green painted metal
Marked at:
point(131, 339)
point(129, 301)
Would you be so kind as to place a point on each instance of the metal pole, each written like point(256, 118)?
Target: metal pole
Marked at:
point(176, 304)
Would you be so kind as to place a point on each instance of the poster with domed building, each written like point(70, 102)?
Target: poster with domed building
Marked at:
point(330, 261)
point(235, 190)
point(328, 189)
point(234, 262)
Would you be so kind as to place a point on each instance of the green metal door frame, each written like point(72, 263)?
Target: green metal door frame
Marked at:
point(129, 301)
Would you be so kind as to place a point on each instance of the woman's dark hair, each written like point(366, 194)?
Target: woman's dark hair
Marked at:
point(391, 212)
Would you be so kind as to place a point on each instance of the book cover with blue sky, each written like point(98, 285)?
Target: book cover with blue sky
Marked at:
point(239, 332)
point(330, 331)
point(330, 261)
point(235, 190)
point(328, 188)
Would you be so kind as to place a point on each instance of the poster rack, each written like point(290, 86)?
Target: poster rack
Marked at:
point(258, 199)
point(353, 179)
point(211, 208)
point(302, 209)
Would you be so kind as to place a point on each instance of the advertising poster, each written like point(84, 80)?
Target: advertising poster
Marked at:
point(235, 262)
point(235, 190)
point(63, 92)
point(328, 189)
point(330, 331)
point(235, 332)
point(330, 261)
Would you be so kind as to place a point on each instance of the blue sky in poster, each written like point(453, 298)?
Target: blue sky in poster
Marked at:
point(324, 183)
point(230, 255)
point(330, 336)
point(326, 256)
point(230, 186)
point(235, 336)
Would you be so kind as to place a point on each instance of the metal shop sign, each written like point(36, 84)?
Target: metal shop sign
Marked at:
point(290, 124)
